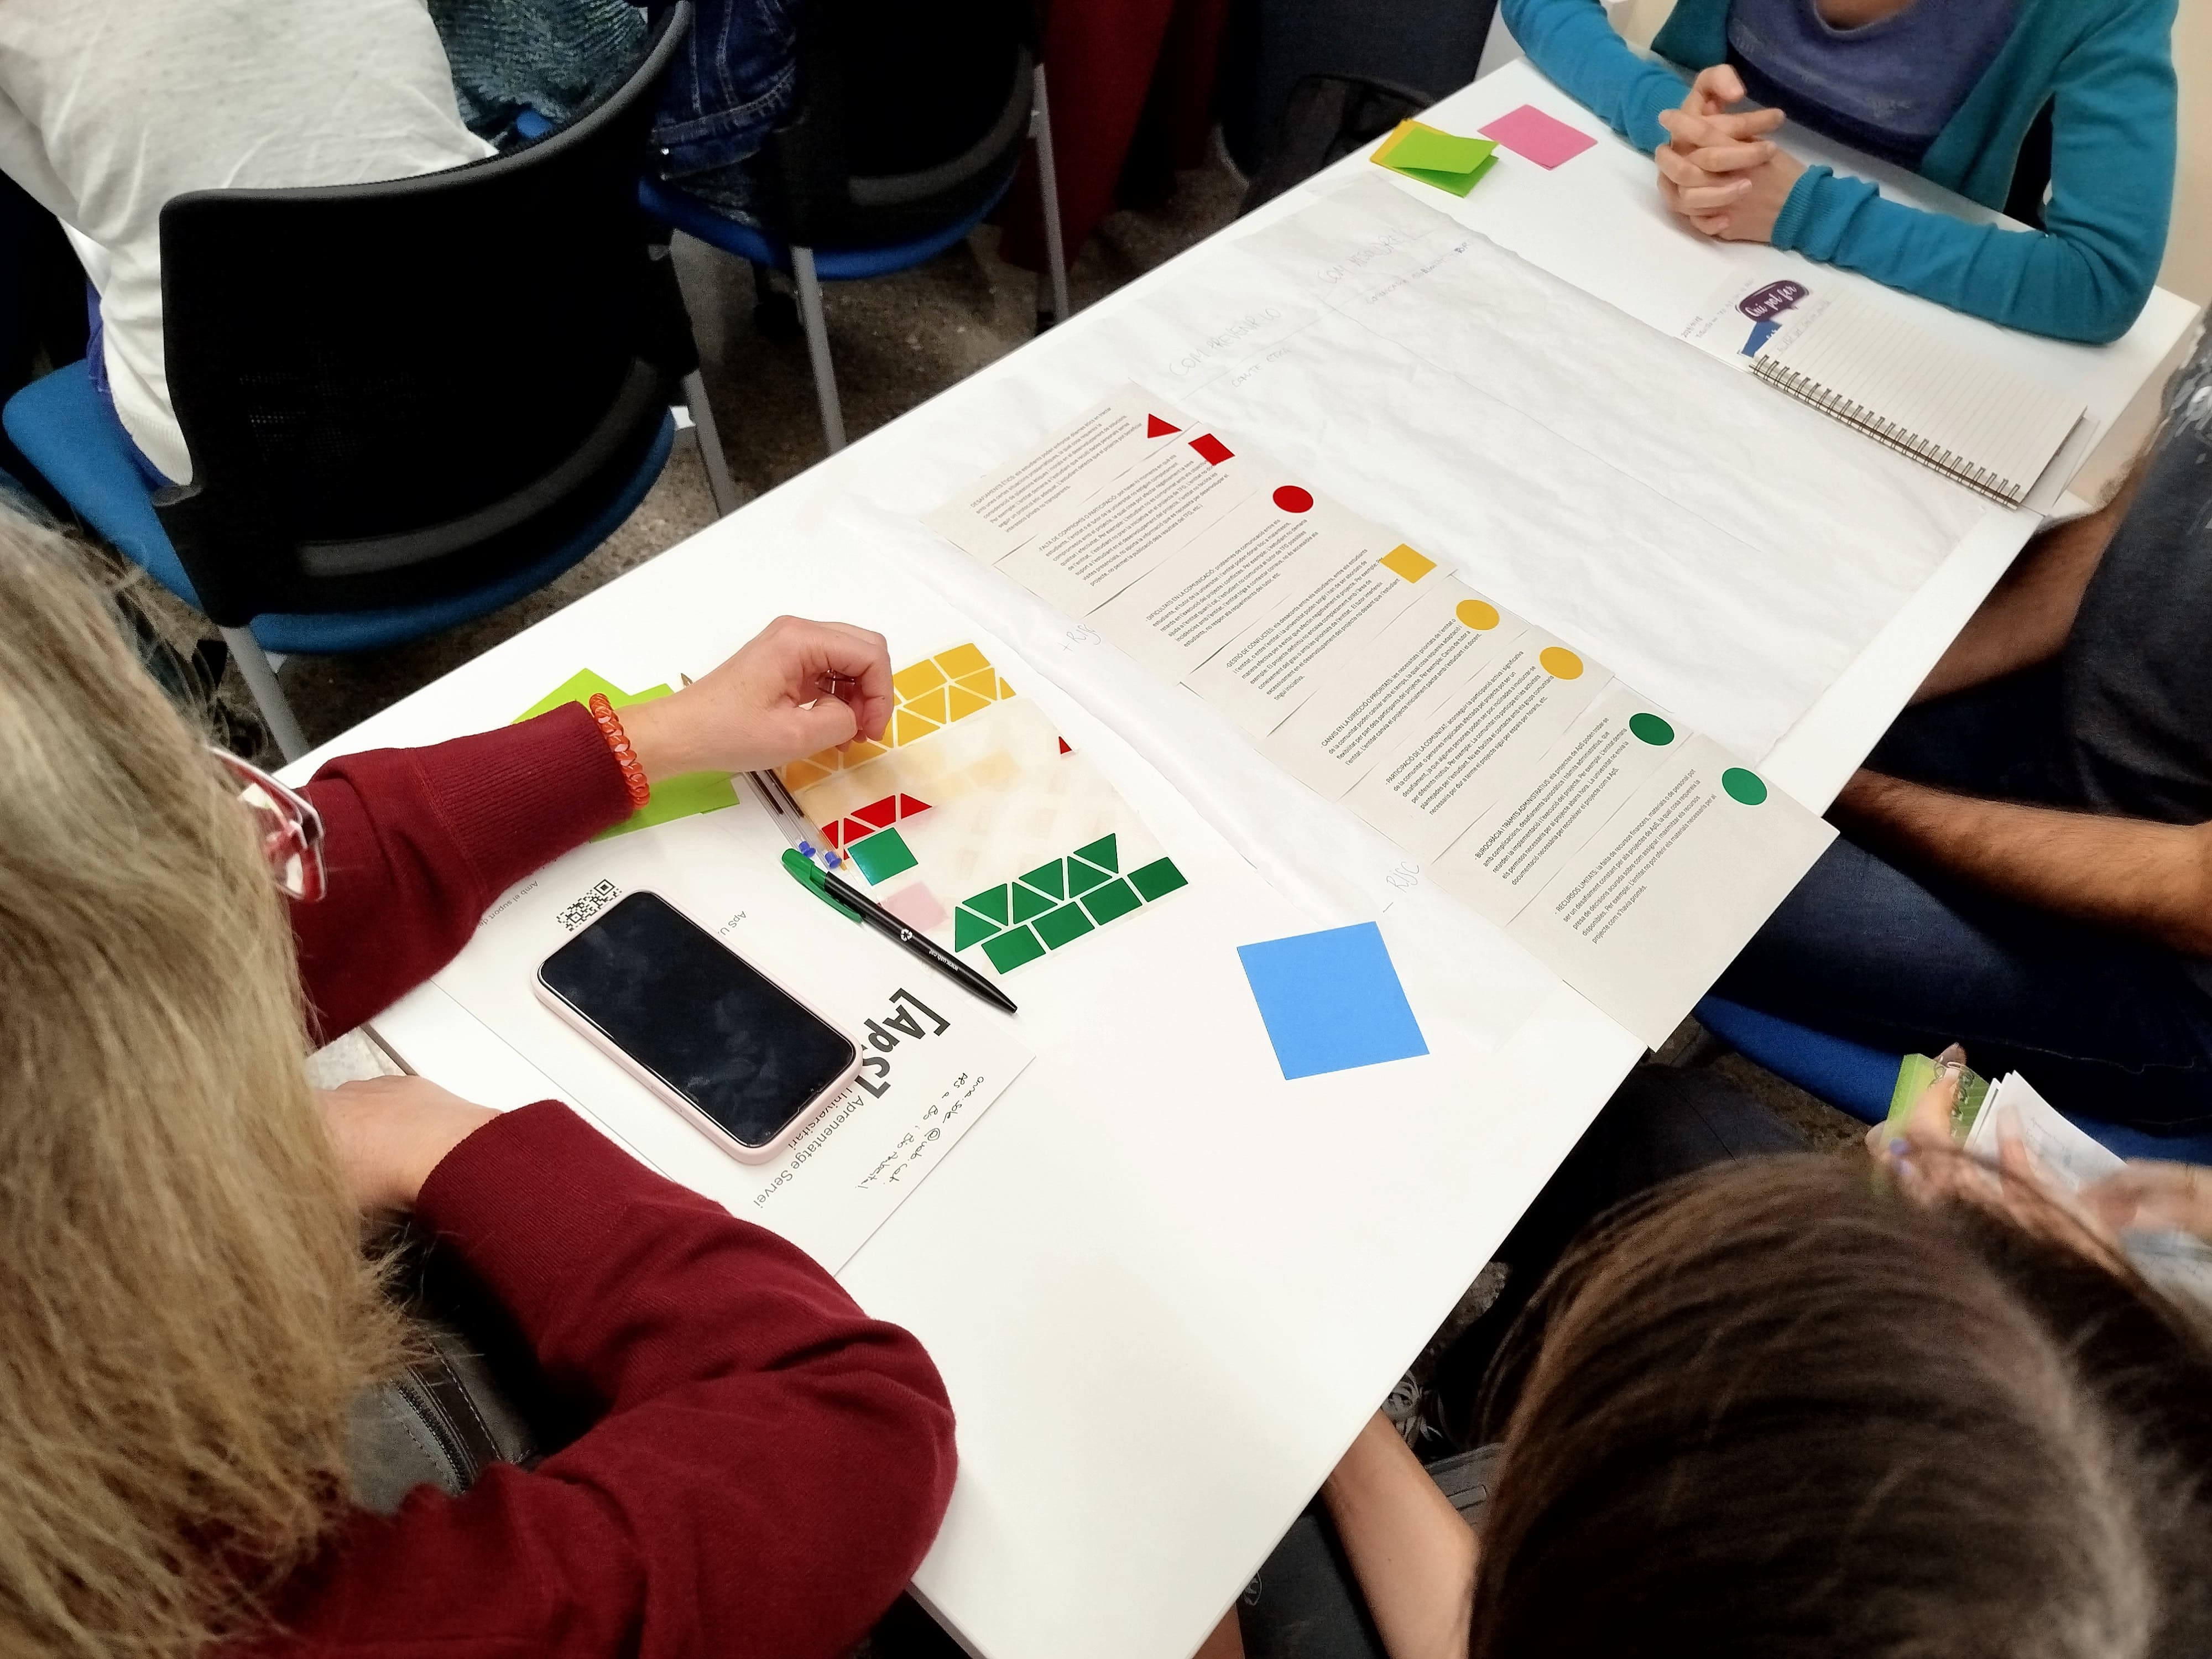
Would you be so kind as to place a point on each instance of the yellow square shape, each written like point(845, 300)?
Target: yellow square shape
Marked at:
point(913, 680)
point(962, 659)
point(1402, 560)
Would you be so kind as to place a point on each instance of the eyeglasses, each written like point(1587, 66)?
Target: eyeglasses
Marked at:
point(290, 829)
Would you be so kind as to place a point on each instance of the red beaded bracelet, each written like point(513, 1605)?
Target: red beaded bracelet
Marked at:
point(618, 740)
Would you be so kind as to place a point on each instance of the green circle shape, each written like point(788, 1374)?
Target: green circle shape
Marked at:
point(1745, 787)
point(1649, 728)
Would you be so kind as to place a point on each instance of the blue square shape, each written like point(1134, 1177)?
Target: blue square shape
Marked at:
point(1331, 1000)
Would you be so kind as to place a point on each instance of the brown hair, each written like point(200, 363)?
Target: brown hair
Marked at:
point(185, 1309)
point(1780, 1408)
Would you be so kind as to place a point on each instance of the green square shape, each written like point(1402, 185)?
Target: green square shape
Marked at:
point(1028, 903)
point(990, 904)
point(882, 856)
point(1009, 951)
point(1082, 877)
point(1158, 879)
point(1117, 899)
point(1103, 852)
point(1058, 927)
point(969, 928)
point(1049, 879)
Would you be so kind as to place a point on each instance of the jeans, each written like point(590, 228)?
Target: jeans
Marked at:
point(2104, 1025)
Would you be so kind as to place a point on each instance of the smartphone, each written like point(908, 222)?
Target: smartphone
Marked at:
point(698, 1024)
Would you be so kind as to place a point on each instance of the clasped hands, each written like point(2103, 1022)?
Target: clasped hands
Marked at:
point(1721, 171)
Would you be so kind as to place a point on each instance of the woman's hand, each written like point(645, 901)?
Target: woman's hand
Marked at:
point(2151, 1196)
point(391, 1132)
point(797, 688)
point(1720, 171)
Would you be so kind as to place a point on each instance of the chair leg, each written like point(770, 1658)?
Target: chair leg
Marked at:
point(1048, 188)
point(268, 696)
point(817, 348)
point(719, 481)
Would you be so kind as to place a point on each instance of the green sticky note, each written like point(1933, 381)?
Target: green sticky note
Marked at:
point(1158, 879)
point(1057, 927)
point(1009, 951)
point(1914, 1073)
point(1440, 152)
point(1104, 852)
point(681, 797)
point(1443, 160)
point(882, 856)
point(1029, 902)
point(1110, 902)
point(1082, 877)
point(969, 928)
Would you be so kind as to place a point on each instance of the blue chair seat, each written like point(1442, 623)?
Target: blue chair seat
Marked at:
point(1858, 1080)
point(62, 428)
point(832, 264)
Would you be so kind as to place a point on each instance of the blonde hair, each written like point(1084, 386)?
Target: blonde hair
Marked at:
point(186, 1310)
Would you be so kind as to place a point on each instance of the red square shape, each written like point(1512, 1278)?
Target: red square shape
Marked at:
point(1211, 448)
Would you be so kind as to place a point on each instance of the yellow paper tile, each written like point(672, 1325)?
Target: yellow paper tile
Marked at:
point(961, 702)
point(907, 725)
point(1404, 561)
point(799, 773)
point(1004, 691)
point(860, 751)
point(962, 660)
point(913, 680)
point(930, 705)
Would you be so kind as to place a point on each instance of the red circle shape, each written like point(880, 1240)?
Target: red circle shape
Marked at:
point(1292, 498)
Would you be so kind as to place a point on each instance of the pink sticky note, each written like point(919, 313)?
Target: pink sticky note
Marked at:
point(1544, 140)
point(918, 908)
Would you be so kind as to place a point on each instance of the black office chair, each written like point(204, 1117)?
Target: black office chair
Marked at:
point(909, 130)
point(407, 403)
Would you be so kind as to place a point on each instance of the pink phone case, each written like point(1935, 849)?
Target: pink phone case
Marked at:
point(721, 1137)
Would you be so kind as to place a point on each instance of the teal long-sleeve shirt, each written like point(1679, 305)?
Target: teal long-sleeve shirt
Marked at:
point(2105, 66)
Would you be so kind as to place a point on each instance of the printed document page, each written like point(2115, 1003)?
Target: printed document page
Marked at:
point(1647, 913)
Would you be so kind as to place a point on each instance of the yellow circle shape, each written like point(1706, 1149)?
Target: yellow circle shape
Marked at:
point(1477, 614)
point(1560, 663)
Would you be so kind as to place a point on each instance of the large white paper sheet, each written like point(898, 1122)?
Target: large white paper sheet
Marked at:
point(1730, 551)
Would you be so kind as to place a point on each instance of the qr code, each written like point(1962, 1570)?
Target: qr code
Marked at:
point(589, 906)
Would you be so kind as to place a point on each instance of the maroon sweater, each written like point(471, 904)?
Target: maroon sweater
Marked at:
point(767, 1465)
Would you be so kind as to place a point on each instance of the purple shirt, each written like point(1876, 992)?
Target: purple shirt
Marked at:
point(1887, 87)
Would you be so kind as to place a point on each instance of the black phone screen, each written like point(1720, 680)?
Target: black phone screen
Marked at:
point(700, 1018)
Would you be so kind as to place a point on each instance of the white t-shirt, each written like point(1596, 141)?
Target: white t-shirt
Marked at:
point(108, 108)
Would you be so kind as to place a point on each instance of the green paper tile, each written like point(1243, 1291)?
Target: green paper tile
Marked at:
point(1118, 898)
point(969, 928)
point(1082, 877)
point(991, 905)
point(1048, 878)
point(1010, 950)
point(882, 856)
point(1158, 879)
point(1028, 903)
point(1057, 927)
point(1102, 853)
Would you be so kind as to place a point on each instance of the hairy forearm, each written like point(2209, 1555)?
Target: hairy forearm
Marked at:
point(2153, 880)
point(1412, 1555)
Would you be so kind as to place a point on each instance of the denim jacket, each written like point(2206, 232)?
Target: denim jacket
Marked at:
point(734, 79)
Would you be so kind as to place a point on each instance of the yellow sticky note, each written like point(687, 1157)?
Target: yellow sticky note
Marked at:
point(1404, 561)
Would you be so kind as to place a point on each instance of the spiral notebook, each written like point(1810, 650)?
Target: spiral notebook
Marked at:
point(1946, 406)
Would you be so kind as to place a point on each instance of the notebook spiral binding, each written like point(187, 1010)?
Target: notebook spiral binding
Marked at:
point(1810, 392)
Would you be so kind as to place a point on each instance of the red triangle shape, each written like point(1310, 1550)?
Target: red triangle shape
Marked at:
point(908, 806)
point(1064, 748)
point(834, 834)
point(881, 813)
point(1156, 428)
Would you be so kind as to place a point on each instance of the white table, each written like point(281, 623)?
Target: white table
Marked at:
point(1155, 1367)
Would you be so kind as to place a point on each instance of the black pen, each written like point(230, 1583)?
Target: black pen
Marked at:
point(862, 908)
